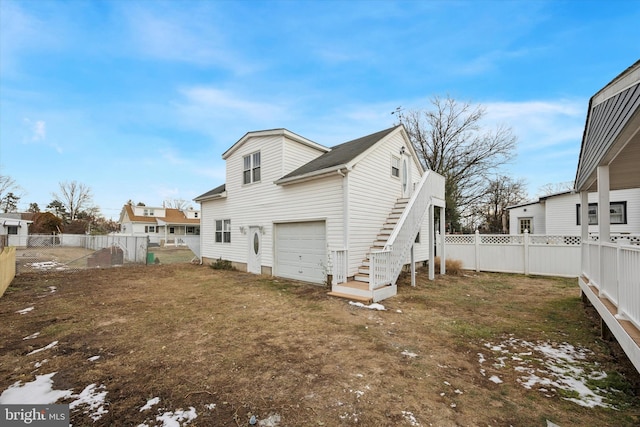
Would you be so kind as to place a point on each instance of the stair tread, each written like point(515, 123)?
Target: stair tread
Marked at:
point(353, 297)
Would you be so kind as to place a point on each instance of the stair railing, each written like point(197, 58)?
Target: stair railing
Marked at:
point(386, 264)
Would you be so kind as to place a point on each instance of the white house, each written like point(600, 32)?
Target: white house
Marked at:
point(164, 226)
point(354, 213)
point(559, 214)
point(15, 229)
point(609, 160)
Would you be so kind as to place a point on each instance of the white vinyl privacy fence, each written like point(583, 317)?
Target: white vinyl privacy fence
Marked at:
point(521, 253)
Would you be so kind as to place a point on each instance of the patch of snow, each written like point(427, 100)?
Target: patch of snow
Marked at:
point(411, 419)
point(37, 392)
point(93, 398)
point(39, 364)
point(48, 265)
point(481, 358)
point(177, 418)
point(210, 406)
point(52, 289)
point(25, 310)
point(32, 336)
point(93, 358)
point(447, 383)
point(453, 405)
point(458, 391)
point(496, 379)
point(563, 367)
point(47, 347)
point(374, 306)
point(409, 354)
point(150, 403)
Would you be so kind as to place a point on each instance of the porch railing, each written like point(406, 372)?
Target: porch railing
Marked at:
point(338, 266)
point(386, 264)
point(614, 270)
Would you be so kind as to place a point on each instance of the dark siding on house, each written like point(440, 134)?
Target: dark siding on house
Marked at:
point(606, 121)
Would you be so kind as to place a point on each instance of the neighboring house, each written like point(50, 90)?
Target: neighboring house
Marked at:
point(15, 228)
point(559, 214)
point(164, 226)
point(293, 208)
point(609, 160)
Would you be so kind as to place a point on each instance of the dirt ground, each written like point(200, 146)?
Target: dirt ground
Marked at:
point(235, 348)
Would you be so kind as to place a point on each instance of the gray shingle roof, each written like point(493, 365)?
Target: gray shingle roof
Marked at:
point(340, 154)
point(218, 190)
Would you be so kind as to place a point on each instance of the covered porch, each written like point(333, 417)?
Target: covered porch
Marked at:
point(610, 160)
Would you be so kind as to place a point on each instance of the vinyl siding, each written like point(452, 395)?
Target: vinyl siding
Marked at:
point(265, 203)
point(534, 211)
point(561, 212)
point(373, 192)
point(295, 155)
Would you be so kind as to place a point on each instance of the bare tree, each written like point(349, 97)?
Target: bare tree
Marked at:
point(179, 204)
point(500, 193)
point(554, 188)
point(451, 141)
point(9, 203)
point(75, 197)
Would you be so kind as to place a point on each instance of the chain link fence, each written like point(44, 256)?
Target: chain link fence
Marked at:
point(68, 252)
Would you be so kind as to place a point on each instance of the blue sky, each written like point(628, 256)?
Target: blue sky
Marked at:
point(138, 99)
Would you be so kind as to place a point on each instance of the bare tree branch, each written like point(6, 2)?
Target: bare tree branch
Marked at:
point(451, 141)
point(75, 197)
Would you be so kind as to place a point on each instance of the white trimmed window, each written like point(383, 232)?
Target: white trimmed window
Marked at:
point(395, 166)
point(617, 213)
point(251, 168)
point(223, 231)
point(525, 224)
point(149, 228)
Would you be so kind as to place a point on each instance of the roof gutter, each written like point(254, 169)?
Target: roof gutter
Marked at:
point(211, 197)
point(315, 174)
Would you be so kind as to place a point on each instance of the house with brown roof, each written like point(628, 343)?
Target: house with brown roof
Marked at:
point(164, 226)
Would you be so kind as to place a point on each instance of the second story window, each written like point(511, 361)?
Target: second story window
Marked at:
point(251, 168)
point(395, 166)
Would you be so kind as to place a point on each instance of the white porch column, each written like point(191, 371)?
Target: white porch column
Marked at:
point(413, 267)
point(584, 234)
point(584, 216)
point(604, 217)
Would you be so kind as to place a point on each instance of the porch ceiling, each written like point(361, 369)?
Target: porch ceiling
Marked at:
point(623, 159)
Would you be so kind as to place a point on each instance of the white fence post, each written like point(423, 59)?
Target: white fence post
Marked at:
point(477, 251)
point(526, 252)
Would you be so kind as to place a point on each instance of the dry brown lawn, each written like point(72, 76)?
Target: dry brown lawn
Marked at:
point(232, 345)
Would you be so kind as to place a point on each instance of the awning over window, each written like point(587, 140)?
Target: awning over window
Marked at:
point(12, 222)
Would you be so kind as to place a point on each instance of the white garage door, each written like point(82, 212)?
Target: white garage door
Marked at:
point(301, 251)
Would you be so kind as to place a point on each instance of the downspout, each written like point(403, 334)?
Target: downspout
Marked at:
point(345, 212)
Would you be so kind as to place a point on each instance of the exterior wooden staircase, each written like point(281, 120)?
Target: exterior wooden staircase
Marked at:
point(358, 287)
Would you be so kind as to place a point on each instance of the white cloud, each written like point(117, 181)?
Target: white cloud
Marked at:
point(171, 34)
point(39, 131)
point(541, 124)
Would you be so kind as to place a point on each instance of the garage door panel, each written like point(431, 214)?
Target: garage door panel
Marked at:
point(301, 251)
